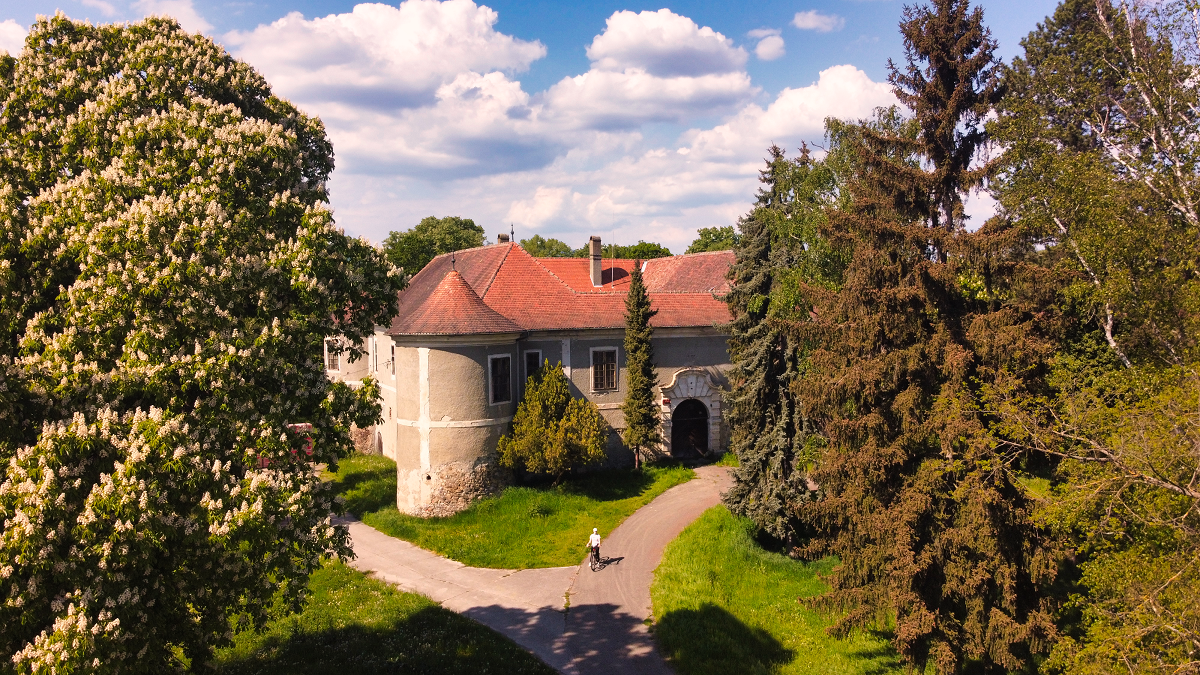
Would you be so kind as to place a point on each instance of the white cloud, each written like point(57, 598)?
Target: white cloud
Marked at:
point(663, 44)
point(651, 67)
point(814, 20)
point(105, 8)
point(182, 11)
point(763, 32)
point(769, 48)
point(379, 56)
point(427, 117)
point(12, 37)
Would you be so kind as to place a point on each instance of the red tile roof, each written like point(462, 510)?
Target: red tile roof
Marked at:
point(557, 293)
point(452, 308)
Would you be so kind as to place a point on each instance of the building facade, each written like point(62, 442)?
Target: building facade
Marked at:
point(473, 325)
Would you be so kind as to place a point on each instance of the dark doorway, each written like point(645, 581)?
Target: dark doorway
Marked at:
point(689, 430)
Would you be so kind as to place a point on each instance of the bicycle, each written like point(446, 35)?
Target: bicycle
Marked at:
point(594, 558)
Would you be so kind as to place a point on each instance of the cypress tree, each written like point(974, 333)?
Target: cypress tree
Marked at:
point(767, 429)
point(932, 528)
point(641, 414)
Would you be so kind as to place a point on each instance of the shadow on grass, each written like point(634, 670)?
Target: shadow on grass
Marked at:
point(617, 484)
point(367, 484)
point(880, 659)
point(711, 640)
point(431, 640)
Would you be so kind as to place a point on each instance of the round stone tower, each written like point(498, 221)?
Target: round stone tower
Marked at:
point(456, 390)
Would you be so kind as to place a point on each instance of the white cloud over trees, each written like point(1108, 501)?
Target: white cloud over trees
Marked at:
point(427, 115)
point(12, 37)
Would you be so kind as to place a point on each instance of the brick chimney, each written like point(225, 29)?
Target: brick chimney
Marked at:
point(502, 238)
point(594, 251)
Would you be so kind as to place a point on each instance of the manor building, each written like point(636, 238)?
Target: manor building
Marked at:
point(473, 325)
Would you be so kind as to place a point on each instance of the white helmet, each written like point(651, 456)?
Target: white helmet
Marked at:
point(594, 530)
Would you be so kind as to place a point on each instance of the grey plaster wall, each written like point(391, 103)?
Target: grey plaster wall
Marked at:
point(408, 396)
point(458, 383)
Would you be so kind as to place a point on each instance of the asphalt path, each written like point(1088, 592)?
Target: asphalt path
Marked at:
point(577, 621)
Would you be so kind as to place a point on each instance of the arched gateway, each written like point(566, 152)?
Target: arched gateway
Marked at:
point(689, 430)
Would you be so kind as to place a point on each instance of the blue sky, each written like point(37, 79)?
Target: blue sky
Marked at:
point(628, 120)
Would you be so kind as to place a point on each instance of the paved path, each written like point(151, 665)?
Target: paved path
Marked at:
point(604, 629)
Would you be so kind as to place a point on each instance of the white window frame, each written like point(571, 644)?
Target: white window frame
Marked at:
point(492, 394)
point(525, 361)
point(616, 367)
point(374, 354)
point(338, 366)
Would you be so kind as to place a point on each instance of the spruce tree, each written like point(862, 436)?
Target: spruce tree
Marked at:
point(767, 428)
point(641, 414)
point(932, 528)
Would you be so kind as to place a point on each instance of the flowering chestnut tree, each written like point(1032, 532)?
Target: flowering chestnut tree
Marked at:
point(168, 274)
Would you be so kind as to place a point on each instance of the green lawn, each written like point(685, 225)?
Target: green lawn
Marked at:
point(726, 605)
point(523, 527)
point(360, 626)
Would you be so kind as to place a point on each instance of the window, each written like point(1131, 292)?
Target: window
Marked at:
point(392, 362)
point(604, 369)
point(501, 378)
point(375, 354)
point(331, 356)
point(533, 362)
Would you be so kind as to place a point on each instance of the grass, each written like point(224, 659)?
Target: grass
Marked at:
point(355, 624)
point(724, 604)
point(727, 459)
point(523, 527)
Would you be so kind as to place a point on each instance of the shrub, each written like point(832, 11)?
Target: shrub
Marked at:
point(553, 432)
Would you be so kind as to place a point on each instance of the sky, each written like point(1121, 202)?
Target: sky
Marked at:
point(628, 120)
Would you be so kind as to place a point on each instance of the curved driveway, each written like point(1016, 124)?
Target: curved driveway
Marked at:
point(604, 629)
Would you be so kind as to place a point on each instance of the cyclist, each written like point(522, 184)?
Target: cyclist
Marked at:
point(594, 546)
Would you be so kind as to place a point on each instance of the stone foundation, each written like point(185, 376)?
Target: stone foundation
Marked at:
point(452, 487)
point(364, 440)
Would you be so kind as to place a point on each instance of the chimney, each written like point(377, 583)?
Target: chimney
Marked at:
point(502, 238)
point(594, 250)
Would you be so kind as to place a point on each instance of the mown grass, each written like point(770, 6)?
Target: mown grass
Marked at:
point(362, 626)
point(523, 527)
point(725, 605)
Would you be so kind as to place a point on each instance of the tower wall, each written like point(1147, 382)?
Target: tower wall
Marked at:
point(449, 426)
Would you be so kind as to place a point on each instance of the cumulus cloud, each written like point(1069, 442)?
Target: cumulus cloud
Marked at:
point(769, 48)
point(379, 56)
point(12, 37)
point(814, 20)
point(427, 116)
point(105, 8)
point(651, 67)
point(663, 44)
point(181, 10)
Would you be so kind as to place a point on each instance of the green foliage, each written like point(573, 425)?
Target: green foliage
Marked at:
point(529, 526)
point(770, 435)
point(170, 273)
point(926, 515)
point(726, 605)
point(355, 622)
point(412, 249)
point(1098, 86)
point(640, 409)
point(538, 247)
point(714, 239)
point(553, 433)
point(639, 251)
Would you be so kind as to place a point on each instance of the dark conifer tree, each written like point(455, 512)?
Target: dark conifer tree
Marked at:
point(641, 412)
point(767, 429)
point(931, 527)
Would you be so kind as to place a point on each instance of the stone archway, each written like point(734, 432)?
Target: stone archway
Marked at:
point(689, 430)
point(692, 384)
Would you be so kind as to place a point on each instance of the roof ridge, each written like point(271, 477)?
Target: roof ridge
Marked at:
point(552, 274)
point(488, 286)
